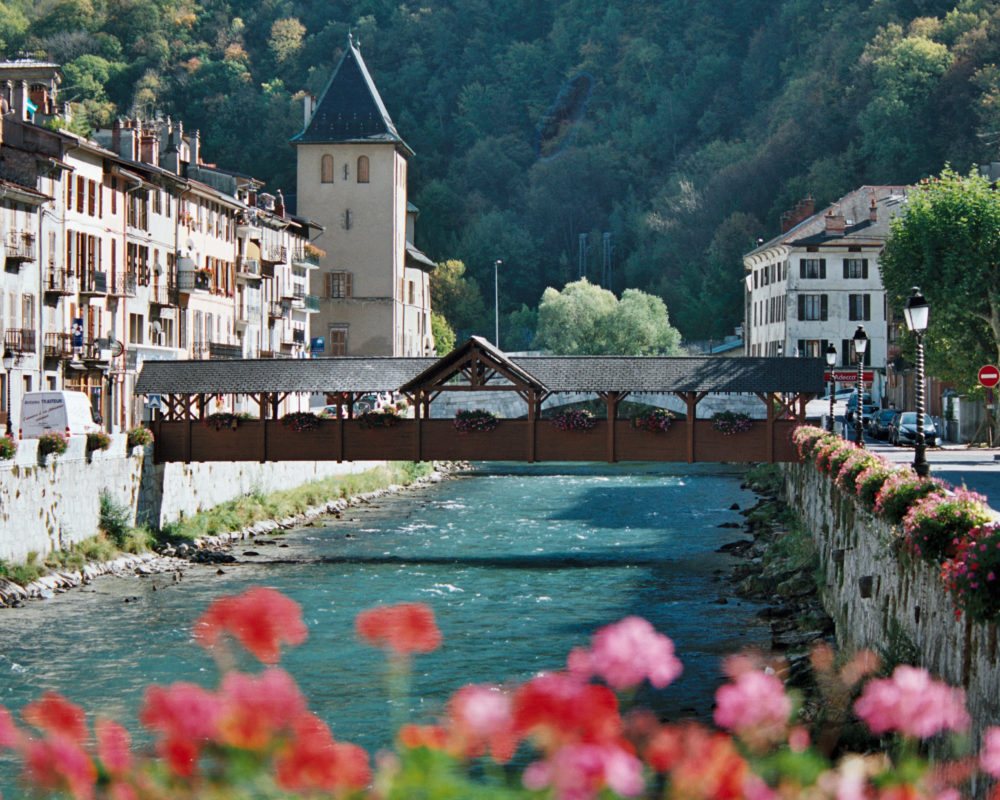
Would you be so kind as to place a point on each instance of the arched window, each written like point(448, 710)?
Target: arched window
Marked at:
point(362, 169)
point(326, 169)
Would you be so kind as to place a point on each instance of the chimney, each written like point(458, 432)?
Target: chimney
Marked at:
point(171, 160)
point(308, 104)
point(279, 204)
point(873, 211)
point(802, 211)
point(835, 224)
point(116, 135)
point(149, 148)
point(195, 149)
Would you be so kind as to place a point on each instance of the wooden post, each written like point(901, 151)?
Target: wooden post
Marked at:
point(419, 413)
point(532, 423)
point(611, 401)
point(770, 428)
point(691, 400)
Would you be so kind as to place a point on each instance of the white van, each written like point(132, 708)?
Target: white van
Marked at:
point(64, 412)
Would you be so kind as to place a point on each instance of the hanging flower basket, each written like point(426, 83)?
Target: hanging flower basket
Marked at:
point(98, 441)
point(139, 436)
point(574, 419)
point(299, 421)
point(653, 420)
point(222, 419)
point(730, 422)
point(8, 447)
point(386, 418)
point(52, 443)
point(475, 420)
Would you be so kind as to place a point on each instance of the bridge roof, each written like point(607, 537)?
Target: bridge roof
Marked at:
point(263, 375)
point(675, 374)
point(553, 373)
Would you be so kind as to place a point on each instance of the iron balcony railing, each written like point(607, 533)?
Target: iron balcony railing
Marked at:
point(94, 283)
point(248, 268)
point(123, 285)
point(217, 350)
point(20, 340)
point(20, 246)
point(59, 281)
point(58, 345)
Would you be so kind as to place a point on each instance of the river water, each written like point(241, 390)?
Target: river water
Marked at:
point(520, 564)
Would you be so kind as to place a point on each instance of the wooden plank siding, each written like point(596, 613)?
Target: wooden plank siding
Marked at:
point(437, 440)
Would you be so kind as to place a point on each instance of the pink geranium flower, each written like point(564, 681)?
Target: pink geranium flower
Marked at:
point(989, 756)
point(56, 716)
point(913, 704)
point(257, 708)
point(583, 771)
point(185, 716)
point(482, 716)
point(626, 653)
point(113, 746)
point(754, 706)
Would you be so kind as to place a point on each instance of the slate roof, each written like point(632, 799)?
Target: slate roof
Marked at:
point(350, 108)
point(256, 375)
point(675, 374)
point(554, 373)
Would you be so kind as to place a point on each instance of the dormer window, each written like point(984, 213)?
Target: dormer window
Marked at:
point(326, 169)
point(362, 169)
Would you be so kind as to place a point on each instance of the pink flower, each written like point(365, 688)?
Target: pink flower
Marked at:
point(754, 706)
point(255, 709)
point(626, 653)
point(403, 628)
point(61, 765)
point(261, 619)
point(582, 771)
point(913, 704)
point(113, 746)
point(185, 716)
point(483, 716)
point(8, 730)
point(989, 756)
point(56, 716)
point(558, 709)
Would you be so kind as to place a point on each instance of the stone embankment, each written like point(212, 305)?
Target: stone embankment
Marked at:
point(175, 558)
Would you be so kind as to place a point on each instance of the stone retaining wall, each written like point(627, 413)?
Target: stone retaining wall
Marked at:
point(867, 591)
point(49, 507)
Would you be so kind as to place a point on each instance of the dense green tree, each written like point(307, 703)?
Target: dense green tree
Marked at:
point(948, 243)
point(456, 297)
point(444, 336)
point(584, 319)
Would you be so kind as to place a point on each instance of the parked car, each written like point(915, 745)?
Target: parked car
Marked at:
point(878, 428)
point(868, 408)
point(904, 429)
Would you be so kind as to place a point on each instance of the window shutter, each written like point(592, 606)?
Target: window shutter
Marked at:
point(802, 267)
point(864, 267)
point(847, 272)
point(845, 352)
point(868, 307)
point(822, 269)
point(823, 307)
point(348, 288)
point(802, 346)
point(822, 347)
point(802, 306)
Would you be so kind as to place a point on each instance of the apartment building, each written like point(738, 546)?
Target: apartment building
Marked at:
point(817, 281)
point(129, 247)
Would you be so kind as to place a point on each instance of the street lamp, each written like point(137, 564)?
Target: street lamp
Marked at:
point(860, 345)
point(9, 360)
point(831, 362)
point(496, 302)
point(916, 312)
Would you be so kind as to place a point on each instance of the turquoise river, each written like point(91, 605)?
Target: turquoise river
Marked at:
point(520, 564)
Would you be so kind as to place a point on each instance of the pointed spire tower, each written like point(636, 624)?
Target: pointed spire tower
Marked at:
point(352, 166)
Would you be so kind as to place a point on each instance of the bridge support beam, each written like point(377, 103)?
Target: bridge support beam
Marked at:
point(691, 400)
point(611, 402)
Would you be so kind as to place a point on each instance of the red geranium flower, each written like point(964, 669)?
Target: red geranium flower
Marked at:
point(261, 619)
point(56, 716)
point(314, 761)
point(59, 764)
point(403, 628)
point(558, 709)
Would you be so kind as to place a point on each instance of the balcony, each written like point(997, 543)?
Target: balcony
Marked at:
point(247, 315)
point(293, 336)
point(163, 294)
point(200, 280)
point(94, 283)
point(275, 253)
point(59, 281)
point(248, 268)
point(20, 340)
point(275, 310)
point(122, 285)
point(309, 259)
point(20, 248)
point(216, 350)
point(58, 345)
point(265, 354)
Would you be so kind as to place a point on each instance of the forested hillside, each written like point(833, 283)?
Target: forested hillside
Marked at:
point(684, 127)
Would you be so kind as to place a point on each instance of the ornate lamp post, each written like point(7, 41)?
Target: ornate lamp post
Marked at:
point(860, 346)
point(9, 360)
point(831, 362)
point(917, 311)
point(496, 301)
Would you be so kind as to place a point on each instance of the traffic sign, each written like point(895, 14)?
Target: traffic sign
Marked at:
point(989, 376)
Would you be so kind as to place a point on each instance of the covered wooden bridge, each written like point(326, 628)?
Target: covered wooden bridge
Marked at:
point(190, 390)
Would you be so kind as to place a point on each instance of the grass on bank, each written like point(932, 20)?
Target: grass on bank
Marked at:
point(117, 536)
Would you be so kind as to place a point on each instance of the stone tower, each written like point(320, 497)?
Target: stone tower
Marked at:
point(372, 283)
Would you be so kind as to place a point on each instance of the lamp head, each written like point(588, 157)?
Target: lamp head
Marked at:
point(9, 360)
point(860, 340)
point(831, 354)
point(916, 311)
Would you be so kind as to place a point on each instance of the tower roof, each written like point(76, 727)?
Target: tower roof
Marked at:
point(350, 108)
